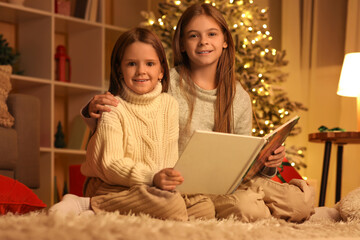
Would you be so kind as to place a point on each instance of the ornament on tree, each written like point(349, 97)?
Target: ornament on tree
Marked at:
point(258, 65)
point(59, 137)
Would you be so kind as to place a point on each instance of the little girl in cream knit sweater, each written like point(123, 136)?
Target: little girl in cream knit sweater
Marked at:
point(130, 156)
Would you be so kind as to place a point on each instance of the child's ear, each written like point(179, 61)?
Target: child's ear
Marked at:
point(161, 75)
point(225, 45)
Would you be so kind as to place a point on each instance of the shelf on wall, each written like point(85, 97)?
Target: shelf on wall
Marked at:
point(67, 151)
point(29, 79)
point(11, 12)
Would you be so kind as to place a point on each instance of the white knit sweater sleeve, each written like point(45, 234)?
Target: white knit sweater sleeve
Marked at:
point(172, 143)
point(107, 159)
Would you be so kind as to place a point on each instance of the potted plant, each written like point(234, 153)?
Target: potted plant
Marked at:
point(8, 56)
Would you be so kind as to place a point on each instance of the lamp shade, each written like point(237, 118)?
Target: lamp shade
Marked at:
point(349, 84)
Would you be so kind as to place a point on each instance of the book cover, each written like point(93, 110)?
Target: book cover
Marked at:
point(93, 10)
point(216, 163)
point(86, 138)
point(80, 8)
point(100, 13)
point(273, 141)
point(56, 192)
point(77, 133)
point(88, 9)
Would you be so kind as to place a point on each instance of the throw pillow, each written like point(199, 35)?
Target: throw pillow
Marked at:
point(349, 206)
point(6, 120)
point(286, 172)
point(76, 180)
point(15, 197)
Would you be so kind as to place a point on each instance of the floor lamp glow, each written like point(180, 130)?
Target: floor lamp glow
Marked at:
point(349, 83)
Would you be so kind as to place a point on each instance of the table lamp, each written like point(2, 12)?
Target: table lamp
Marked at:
point(349, 83)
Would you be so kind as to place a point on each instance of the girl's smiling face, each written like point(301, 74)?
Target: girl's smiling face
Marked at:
point(203, 41)
point(141, 67)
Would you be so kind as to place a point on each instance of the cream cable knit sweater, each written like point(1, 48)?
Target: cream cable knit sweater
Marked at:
point(135, 140)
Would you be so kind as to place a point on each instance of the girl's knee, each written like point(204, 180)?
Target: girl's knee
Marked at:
point(301, 200)
point(293, 201)
point(199, 206)
point(251, 212)
point(246, 205)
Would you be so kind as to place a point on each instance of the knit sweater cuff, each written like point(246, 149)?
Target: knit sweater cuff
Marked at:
point(146, 177)
point(269, 172)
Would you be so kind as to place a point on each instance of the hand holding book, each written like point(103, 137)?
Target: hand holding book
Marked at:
point(276, 159)
point(273, 141)
point(167, 179)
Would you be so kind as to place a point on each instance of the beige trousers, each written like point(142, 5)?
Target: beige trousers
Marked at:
point(262, 197)
point(257, 199)
point(148, 200)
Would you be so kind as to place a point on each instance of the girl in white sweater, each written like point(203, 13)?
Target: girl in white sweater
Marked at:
point(130, 156)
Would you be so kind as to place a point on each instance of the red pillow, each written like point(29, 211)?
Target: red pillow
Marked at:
point(15, 197)
point(76, 180)
point(286, 172)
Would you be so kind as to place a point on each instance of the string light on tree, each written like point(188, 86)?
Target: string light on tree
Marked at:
point(258, 65)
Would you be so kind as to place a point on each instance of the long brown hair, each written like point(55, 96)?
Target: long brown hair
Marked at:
point(127, 38)
point(225, 73)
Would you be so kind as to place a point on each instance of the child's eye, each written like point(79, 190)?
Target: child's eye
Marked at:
point(192, 36)
point(131, 64)
point(150, 64)
point(212, 34)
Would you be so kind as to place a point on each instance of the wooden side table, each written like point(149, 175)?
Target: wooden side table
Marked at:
point(338, 138)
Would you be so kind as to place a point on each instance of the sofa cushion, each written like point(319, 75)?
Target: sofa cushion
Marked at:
point(26, 111)
point(6, 120)
point(15, 197)
point(8, 173)
point(8, 148)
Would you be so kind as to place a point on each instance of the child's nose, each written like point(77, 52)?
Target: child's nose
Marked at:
point(203, 40)
point(141, 69)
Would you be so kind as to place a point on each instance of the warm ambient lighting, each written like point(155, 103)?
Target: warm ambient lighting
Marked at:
point(349, 83)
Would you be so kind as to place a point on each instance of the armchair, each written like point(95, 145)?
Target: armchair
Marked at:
point(19, 145)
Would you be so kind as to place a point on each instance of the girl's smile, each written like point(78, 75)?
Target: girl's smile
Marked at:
point(204, 52)
point(140, 80)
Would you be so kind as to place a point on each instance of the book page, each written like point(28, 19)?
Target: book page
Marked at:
point(274, 141)
point(212, 162)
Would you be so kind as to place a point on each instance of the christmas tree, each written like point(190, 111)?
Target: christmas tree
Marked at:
point(258, 65)
point(59, 137)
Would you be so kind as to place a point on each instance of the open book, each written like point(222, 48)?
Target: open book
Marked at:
point(216, 163)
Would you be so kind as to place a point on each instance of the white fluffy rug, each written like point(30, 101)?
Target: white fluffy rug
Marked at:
point(114, 226)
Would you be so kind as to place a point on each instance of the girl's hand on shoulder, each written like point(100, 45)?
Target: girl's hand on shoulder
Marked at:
point(167, 179)
point(276, 158)
point(98, 102)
